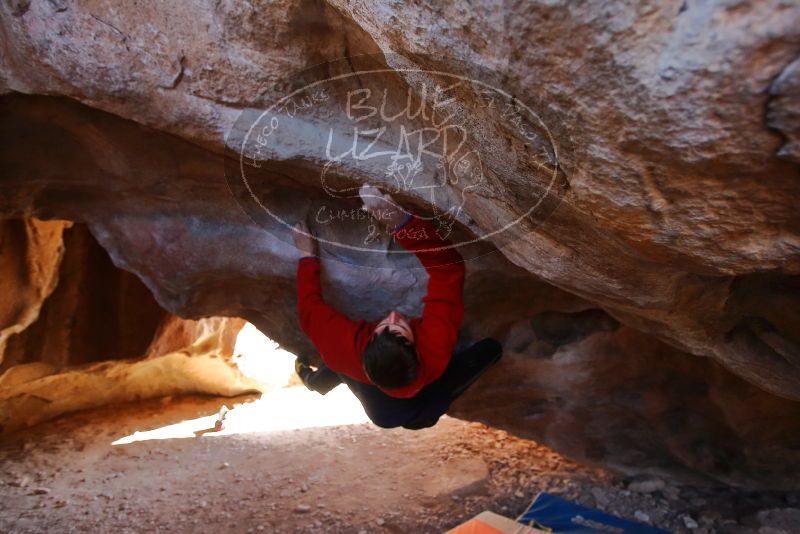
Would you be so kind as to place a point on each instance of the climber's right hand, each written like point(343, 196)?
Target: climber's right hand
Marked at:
point(304, 241)
point(303, 370)
point(381, 206)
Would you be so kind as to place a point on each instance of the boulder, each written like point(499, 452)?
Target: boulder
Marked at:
point(625, 194)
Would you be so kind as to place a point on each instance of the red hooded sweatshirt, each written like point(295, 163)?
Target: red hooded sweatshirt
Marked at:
point(341, 340)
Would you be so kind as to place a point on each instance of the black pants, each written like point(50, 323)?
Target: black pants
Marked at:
point(433, 401)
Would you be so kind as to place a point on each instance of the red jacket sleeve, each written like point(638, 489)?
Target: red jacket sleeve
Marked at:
point(332, 333)
point(443, 305)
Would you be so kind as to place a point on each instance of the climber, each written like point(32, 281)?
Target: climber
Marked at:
point(400, 368)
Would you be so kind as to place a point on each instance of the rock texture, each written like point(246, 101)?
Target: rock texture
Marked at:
point(80, 333)
point(30, 254)
point(96, 312)
point(35, 392)
point(608, 394)
point(674, 224)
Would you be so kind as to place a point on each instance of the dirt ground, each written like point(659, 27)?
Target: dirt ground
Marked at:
point(67, 476)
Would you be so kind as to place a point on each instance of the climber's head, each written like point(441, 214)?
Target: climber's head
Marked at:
point(390, 357)
point(396, 323)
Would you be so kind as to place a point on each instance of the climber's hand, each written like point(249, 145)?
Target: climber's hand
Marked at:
point(302, 369)
point(305, 243)
point(303, 359)
point(381, 206)
point(299, 365)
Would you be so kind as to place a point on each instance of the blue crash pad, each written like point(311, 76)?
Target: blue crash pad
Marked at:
point(554, 514)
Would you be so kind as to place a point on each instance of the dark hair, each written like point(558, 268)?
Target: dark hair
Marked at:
point(390, 360)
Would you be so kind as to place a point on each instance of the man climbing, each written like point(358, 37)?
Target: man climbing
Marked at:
point(400, 368)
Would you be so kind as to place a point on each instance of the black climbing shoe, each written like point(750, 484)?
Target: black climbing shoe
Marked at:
point(468, 365)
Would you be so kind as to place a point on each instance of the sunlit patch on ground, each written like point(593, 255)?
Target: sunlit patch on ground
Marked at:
point(258, 357)
point(280, 408)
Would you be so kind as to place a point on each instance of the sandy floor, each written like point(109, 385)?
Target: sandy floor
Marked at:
point(67, 476)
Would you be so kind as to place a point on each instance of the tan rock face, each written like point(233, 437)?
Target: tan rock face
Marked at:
point(30, 255)
point(30, 395)
point(675, 217)
point(96, 312)
point(80, 333)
